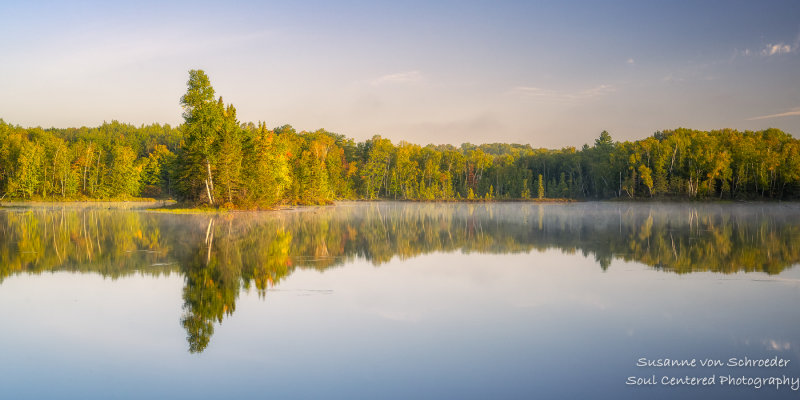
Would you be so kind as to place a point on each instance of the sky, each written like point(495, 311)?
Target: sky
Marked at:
point(548, 74)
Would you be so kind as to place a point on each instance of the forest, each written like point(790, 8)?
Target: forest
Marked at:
point(214, 160)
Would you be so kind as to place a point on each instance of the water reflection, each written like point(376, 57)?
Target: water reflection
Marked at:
point(218, 255)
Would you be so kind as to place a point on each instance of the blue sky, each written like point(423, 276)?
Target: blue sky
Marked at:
point(551, 74)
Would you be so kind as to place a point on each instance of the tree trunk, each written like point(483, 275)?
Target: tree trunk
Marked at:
point(209, 184)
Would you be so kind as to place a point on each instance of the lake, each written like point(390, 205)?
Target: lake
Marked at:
point(402, 300)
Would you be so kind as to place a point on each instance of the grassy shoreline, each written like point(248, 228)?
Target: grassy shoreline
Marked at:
point(100, 203)
point(169, 206)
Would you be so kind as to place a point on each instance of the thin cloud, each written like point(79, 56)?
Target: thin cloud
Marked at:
point(792, 113)
point(672, 78)
point(128, 49)
point(534, 91)
point(777, 49)
point(630, 61)
point(771, 49)
point(549, 94)
point(399, 77)
point(777, 345)
point(596, 91)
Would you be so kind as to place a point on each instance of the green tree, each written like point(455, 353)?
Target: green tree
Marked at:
point(29, 166)
point(156, 178)
point(540, 192)
point(228, 156)
point(266, 171)
point(203, 120)
point(123, 177)
point(376, 167)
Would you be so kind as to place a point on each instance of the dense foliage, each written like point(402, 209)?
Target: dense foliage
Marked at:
point(214, 159)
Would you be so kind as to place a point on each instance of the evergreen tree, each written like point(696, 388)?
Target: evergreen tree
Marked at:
point(203, 120)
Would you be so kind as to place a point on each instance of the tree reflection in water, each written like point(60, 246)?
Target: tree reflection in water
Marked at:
point(218, 255)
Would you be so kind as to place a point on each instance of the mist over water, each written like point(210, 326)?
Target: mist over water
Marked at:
point(519, 283)
point(671, 237)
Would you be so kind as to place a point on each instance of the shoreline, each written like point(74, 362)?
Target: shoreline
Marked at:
point(89, 203)
point(169, 206)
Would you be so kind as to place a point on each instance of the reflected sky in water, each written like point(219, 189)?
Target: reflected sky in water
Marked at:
point(394, 300)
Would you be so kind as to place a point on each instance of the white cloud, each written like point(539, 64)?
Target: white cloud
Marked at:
point(672, 78)
point(778, 345)
point(771, 49)
point(531, 91)
point(779, 48)
point(630, 61)
point(399, 77)
point(793, 112)
point(85, 57)
point(596, 91)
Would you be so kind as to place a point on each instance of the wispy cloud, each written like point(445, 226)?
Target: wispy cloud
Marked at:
point(770, 49)
point(550, 94)
point(596, 91)
point(533, 91)
point(399, 77)
point(630, 61)
point(791, 113)
point(123, 50)
point(777, 49)
point(777, 345)
point(672, 78)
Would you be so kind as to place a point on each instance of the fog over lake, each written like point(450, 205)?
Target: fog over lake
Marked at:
point(397, 300)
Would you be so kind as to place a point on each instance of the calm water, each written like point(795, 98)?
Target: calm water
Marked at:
point(398, 300)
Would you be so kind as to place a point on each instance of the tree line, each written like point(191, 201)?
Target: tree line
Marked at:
point(214, 159)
